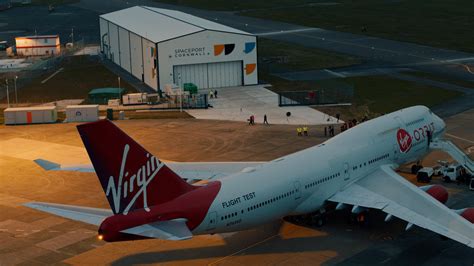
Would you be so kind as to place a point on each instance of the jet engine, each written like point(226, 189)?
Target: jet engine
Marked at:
point(467, 213)
point(436, 191)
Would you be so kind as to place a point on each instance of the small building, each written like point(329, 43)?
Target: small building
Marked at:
point(160, 46)
point(103, 95)
point(40, 45)
point(82, 113)
point(30, 115)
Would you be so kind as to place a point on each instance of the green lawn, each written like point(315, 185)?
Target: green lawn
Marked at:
point(80, 75)
point(462, 83)
point(277, 56)
point(54, 2)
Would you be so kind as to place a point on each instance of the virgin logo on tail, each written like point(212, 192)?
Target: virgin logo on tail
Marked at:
point(404, 140)
point(137, 182)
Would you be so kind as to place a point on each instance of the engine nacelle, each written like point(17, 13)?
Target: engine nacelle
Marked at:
point(437, 191)
point(467, 213)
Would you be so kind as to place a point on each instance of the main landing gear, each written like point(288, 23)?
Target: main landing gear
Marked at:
point(317, 219)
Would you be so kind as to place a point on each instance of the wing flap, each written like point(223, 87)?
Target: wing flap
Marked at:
point(168, 230)
point(87, 215)
point(387, 191)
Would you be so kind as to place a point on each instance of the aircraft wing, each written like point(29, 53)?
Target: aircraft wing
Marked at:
point(387, 191)
point(191, 171)
point(169, 230)
point(87, 215)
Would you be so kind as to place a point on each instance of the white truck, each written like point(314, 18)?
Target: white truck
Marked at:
point(452, 172)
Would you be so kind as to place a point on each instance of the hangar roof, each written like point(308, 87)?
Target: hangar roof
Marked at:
point(157, 24)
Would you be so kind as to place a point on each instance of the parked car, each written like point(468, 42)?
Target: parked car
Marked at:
point(425, 174)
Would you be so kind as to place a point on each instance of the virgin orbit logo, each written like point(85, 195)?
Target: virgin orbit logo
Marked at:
point(404, 140)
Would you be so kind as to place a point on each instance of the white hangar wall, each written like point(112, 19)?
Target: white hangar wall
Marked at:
point(185, 49)
point(124, 48)
point(210, 59)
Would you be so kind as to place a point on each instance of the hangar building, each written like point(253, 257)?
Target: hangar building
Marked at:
point(160, 46)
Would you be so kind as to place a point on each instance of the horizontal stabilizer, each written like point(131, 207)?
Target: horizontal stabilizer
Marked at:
point(47, 165)
point(52, 166)
point(87, 215)
point(167, 230)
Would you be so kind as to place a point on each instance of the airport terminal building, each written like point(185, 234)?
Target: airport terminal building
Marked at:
point(160, 46)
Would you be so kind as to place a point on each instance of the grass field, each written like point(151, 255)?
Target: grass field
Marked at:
point(439, 23)
point(462, 83)
point(80, 74)
point(373, 95)
point(54, 2)
point(236, 5)
point(277, 56)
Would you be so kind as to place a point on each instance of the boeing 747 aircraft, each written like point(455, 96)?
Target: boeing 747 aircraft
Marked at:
point(354, 169)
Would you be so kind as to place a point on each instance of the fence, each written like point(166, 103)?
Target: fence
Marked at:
point(194, 101)
point(322, 96)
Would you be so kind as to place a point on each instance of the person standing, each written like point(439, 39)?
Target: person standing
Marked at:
point(265, 121)
point(215, 93)
point(305, 130)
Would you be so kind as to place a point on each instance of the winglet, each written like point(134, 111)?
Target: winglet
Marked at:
point(47, 165)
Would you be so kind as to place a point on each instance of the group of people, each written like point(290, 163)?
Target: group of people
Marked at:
point(329, 130)
point(252, 120)
point(352, 123)
point(212, 93)
point(302, 131)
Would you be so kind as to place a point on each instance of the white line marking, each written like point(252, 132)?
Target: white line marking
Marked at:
point(52, 75)
point(242, 250)
point(285, 32)
point(335, 73)
point(459, 59)
point(456, 137)
point(251, 246)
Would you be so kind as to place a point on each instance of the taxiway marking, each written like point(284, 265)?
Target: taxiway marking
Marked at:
point(456, 137)
point(52, 75)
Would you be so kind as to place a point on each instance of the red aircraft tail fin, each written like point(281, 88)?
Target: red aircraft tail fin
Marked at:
point(131, 177)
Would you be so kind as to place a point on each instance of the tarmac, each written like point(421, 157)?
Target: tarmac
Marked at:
point(239, 103)
point(30, 237)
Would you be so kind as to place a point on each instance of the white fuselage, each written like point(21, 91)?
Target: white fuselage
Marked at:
point(301, 183)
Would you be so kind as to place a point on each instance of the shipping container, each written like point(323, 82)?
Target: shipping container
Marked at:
point(30, 115)
point(82, 113)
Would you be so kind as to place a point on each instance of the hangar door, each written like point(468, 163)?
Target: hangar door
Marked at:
point(209, 75)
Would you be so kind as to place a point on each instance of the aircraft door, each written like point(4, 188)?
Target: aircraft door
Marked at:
point(297, 190)
point(346, 172)
point(395, 152)
point(212, 221)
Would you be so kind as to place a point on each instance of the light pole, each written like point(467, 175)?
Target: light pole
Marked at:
point(16, 95)
point(119, 88)
point(8, 96)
